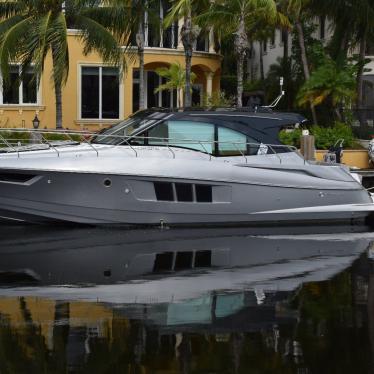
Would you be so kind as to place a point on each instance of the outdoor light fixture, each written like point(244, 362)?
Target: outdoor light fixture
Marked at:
point(36, 122)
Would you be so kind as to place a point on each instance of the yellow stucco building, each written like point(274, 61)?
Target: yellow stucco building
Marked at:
point(95, 96)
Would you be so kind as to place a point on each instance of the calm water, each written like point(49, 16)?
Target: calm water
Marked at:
point(185, 301)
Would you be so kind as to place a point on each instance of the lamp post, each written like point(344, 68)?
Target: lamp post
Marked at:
point(35, 136)
point(36, 122)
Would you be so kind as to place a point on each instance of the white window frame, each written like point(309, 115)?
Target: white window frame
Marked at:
point(120, 87)
point(20, 92)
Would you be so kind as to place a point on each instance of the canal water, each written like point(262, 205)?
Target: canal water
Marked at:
point(86, 300)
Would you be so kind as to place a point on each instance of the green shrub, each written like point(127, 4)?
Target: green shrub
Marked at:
point(24, 137)
point(324, 136)
point(56, 137)
point(327, 136)
point(14, 137)
point(228, 84)
point(290, 137)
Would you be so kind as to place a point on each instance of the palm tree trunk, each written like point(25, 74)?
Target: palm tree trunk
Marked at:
point(187, 40)
point(140, 41)
point(180, 95)
point(240, 64)
point(187, 94)
point(287, 69)
point(338, 114)
point(252, 62)
point(304, 61)
point(344, 44)
point(248, 67)
point(262, 70)
point(241, 44)
point(58, 93)
point(285, 45)
point(360, 73)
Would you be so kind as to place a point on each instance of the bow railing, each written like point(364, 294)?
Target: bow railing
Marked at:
point(17, 141)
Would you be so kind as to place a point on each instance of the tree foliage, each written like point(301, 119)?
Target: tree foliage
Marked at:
point(331, 81)
point(175, 76)
point(242, 18)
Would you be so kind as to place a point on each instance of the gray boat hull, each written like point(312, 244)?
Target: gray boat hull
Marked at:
point(84, 198)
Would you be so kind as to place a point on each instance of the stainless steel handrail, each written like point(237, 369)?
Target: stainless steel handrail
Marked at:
point(245, 158)
point(54, 148)
point(168, 142)
point(8, 144)
point(275, 153)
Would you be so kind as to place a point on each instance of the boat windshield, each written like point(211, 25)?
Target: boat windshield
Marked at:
point(117, 134)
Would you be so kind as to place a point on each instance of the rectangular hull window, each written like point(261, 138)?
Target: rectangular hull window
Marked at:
point(184, 192)
point(164, 191)
point(203, 259)
point(163, 262)
point(15, 178)
point(204, 193)
point(183, 261)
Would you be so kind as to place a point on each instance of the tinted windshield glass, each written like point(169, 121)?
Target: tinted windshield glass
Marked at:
point(117, 134)
point(186, 134)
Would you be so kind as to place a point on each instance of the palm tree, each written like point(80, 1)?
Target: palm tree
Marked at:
point(139, 8)
point(330, 81)
point(239, 17)
point(175, 77)
point(354, 24)
point(297, 10)
point(30, 29)
point(187, 10)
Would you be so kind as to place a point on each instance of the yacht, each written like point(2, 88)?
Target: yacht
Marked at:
point(190, 167)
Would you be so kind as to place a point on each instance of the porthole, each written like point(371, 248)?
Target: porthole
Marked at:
point(107, 183)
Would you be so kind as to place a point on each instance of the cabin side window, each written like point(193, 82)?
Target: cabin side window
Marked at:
point(204, 137)
point(233, 143)
point(184, 134)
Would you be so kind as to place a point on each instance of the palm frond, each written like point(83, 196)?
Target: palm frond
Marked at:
point(96, 37)
point(11, 8)
point(11, 47)
point(117, 20)
point(57, 38)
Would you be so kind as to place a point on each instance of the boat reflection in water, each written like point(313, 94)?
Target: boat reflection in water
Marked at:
point(184, 301)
